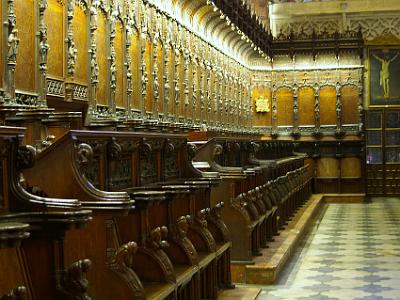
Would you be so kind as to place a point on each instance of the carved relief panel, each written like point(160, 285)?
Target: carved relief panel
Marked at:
point(24, 42)
point(102, 41)
point(80, 25)
point(55, 31)
point(117, 67)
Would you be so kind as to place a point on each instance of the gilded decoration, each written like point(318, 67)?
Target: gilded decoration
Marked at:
point(262, 104)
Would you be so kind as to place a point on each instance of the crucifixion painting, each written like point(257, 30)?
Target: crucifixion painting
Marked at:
point(384, 75)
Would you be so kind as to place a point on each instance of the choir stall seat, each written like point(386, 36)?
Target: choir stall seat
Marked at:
point(32, 229)
point(260, 192)
point(142, 251)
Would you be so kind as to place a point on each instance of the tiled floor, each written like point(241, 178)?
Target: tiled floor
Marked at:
point(352, 252)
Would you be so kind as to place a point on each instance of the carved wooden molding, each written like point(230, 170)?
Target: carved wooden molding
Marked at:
point(25, 157)
point(179, 236)
point(73, 281)
point(18, 293)
point(198, 224)
point(215, 217)
point(121, 264)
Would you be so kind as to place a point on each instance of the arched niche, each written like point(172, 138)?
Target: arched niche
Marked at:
point(327, 102)
point(350, 98)
point(306, 100)
point(284, 102)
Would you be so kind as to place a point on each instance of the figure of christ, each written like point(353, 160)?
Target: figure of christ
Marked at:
point(385, 74)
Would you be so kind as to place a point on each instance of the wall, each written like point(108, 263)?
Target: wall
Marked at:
point(308, 96)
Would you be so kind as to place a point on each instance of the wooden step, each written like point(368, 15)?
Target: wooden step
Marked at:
point(266, 268)
point(239, 293)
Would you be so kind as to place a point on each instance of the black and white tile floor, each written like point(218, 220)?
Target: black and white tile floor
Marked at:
point(352, 252)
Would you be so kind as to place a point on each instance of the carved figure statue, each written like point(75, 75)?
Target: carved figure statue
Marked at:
point(113, 21)
point(384, 74)
point(72, 53)
point(44, 47)
point(13, 42)
point(129, 79)
point(94, 68)
point(183, 226)
point(93, 15)
point(113, 72)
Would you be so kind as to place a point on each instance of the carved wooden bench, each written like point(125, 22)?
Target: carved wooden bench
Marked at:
point(150, 233)
point(32, 228)
point(250, 212)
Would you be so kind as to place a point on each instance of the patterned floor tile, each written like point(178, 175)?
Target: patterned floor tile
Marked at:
point(393, 294)
point(351, 253)
point(346, 294)
point(374, 288)
point(373, 297)
point(294, 293)
point(372, 278)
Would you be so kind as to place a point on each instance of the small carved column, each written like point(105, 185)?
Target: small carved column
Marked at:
point(144, 79)
point(201, 84)
point(94, 67)
point(250, 108)
point(220, 94)
point(194, 63)
point(317, 110)
point(233, 102)
point(338, 108)
point(360, 106)
point(237, 103)
point(113, 17)
point(166, 52)
point(239, 100)
point(71, 50)
point(186, 70)
point(274, 112)
point(194, 85)
point(207, 87)
point(295, 131)
point(43, 49)
point(226, 98)
point(130, 27)
point(12, 51)
point(177, 59)
point(154, 64)
point(215, 94)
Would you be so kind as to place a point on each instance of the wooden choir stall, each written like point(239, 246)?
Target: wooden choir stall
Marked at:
point(134, 161)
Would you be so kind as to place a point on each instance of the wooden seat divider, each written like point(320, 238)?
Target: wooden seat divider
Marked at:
point(32, 231)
